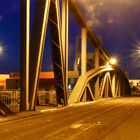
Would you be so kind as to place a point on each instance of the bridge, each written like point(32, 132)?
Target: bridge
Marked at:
point(102, 80)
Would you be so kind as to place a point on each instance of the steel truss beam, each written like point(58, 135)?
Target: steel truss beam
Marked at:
point(57, 53)
point(106, 81)
point(4, 109)
point(24, 53)
point(74, 7)
point(37, 46)
point(83, 83)
point(65, 37)
point(46, 10)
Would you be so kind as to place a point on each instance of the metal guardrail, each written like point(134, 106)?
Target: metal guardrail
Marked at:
point(11, 98)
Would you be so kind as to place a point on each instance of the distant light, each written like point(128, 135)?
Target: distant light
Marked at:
point(69, 86)
point(1, 49)
point(78, 62)
point(101, 3)
point(99, 122)
point(113, 61)
point(136, 54)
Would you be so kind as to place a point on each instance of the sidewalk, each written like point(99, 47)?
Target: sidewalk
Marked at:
point(20, 115)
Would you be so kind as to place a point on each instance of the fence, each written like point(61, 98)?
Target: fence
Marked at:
point(11, 98)
point(46, 97)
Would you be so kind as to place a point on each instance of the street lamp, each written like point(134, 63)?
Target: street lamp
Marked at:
point(113, 61)
point(1, 50)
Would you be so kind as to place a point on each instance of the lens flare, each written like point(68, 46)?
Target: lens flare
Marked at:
point(136, 54)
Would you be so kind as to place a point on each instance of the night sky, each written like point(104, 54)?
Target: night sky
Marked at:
point(116, 22)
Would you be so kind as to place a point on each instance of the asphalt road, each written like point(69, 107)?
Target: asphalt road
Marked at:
point(112, 119)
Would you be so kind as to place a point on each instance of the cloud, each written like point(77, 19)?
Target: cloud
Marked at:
point(127, 2)
point(91, 12)
point(99, 12)
point(110, 20)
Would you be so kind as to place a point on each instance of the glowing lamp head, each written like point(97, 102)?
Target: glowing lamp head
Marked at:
point(1, 50)
point(113, 61)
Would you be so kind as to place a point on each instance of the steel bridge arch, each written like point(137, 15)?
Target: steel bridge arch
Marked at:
point(106, 76)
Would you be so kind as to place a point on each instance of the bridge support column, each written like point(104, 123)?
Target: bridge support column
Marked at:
point(84, 56)
point(77, 57)
point(37, 47)
point(83, 51)
point(106, 87)
point(113, 85)
point(118, 89)
point(65, 20)
point(24, 70)
point(96, 94)
point(96, 65)
point(84, 98)
point(97, 54)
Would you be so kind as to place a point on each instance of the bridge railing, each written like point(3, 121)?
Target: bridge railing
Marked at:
point(11, 98)
point(46, 97)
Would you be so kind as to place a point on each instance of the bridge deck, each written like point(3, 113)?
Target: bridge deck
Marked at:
point(106, 119)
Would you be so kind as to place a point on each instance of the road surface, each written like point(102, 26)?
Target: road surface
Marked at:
point(111, 119)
